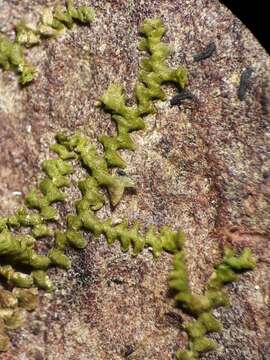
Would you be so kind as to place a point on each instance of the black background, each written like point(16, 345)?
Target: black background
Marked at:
point(253, 14)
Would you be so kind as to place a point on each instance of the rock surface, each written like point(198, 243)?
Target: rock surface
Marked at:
point(202, 166)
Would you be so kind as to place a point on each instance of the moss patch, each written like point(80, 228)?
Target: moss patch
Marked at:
point(52, 23)
point(200, 306)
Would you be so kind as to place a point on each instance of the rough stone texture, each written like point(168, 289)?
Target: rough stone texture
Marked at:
point(202, 166)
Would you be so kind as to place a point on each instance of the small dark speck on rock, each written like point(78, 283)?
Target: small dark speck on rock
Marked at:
point(36, 327)
point(206, 52)
point(129, 350)
point(183, 95)
point(265, 98)
point(116, 281)
point(266, 174)
point(173, 318)
point(244, 83)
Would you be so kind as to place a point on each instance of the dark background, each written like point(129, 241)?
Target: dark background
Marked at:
point(254, 15)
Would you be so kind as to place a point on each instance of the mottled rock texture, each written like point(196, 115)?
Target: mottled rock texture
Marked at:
point(202, 166)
